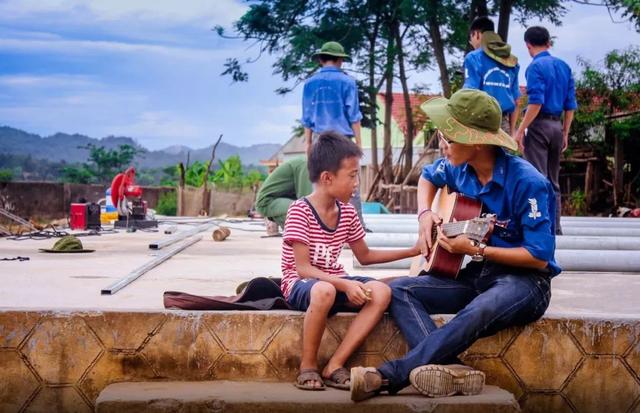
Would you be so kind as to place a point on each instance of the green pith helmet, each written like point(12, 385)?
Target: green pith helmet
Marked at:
point(67, 244)
point(332, 49)
point(497, 49)
point(470, 117)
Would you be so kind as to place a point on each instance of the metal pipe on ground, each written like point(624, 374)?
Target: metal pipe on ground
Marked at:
point(138, 272)
point(569, 260)
point(565, 223)
point(392, 227)
point(179, 236)
point(565, 242)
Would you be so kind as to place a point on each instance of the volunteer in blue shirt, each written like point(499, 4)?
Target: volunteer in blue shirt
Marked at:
point(491, 67)
point(508, 281)
point(330, 103)
point(543, 134)
point(330, 97)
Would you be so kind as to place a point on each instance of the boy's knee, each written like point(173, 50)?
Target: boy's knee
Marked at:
point(323, 293)
point(381, 293)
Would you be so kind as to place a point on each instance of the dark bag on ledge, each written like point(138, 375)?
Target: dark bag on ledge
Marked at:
point(260, 293)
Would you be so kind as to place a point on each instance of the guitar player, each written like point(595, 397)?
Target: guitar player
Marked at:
point(507, 282)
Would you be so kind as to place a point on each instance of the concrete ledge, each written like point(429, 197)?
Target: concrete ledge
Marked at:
point(65, 359)
point(255, 397)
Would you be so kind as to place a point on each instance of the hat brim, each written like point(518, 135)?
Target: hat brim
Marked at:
point(438, 112)
point(318, 53)
point(510, 61)
point(64, 252)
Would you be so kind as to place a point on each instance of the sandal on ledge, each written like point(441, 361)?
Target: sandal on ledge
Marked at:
point(340, 378)
point(305, 380)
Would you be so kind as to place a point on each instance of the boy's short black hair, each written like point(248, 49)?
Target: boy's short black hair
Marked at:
point(537, 36)
point(323, 58)
point(328, 152)
point(482, 24)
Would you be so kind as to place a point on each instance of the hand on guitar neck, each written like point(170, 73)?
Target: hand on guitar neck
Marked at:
point(454, 229)
point(429, 221)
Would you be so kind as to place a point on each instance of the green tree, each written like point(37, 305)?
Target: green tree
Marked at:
point(6, 175)
point(104, 163)
point(77, 175)
point(609, 96)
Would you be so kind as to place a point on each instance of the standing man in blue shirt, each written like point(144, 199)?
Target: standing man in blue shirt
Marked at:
point(491, 67)
point(508, 281)
point(542, 135)
point(330, 103)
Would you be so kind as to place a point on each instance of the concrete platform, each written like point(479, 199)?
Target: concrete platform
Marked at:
point(62, 343)
point(73, 282)
point(256, 397)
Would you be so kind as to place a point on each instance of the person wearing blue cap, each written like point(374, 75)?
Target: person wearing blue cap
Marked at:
point(492, 68)
point(330, 103)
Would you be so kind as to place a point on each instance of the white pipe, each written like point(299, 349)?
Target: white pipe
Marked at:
point(596, 230)
point(569, 260)
point(565, 242)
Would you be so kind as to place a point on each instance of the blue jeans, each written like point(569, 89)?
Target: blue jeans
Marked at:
point(300, 295)
point(485, 299)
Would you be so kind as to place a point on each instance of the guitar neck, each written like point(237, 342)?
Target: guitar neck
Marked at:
point(452, 229)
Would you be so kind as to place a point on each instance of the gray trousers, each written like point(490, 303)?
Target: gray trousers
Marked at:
point(543, 149)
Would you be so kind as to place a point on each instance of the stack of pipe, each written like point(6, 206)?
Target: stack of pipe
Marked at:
point(587, 244)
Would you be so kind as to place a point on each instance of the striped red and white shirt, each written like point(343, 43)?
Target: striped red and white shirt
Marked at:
point(304, 225)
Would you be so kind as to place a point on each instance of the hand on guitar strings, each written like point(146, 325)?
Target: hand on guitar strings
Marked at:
point(457, 245)
point(426, 236)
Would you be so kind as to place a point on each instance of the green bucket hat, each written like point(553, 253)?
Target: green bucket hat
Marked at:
point(332, 49)
point(470, 117)
point(66, 244)
point(497, 49)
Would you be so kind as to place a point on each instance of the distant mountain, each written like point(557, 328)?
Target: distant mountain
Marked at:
point(69, 148)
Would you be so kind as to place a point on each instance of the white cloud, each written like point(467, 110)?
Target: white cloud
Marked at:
point(160, 128)
point(275, 123)
point(33, 81)
point(83, 47)
point(208, 12)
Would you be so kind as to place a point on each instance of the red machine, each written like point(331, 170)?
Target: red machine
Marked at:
point(127, 198)
point(84, 216)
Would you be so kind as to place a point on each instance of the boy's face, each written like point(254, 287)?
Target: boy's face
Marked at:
point(475, 39)
point(456, 153)
point(345, 181)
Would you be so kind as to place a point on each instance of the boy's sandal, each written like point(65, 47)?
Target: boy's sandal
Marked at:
point(340, 378)
point(305, 380)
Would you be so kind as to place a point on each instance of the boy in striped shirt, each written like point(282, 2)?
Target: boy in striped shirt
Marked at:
point(316, 229)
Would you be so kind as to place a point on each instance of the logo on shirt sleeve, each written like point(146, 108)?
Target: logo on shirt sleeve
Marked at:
point(534, 209)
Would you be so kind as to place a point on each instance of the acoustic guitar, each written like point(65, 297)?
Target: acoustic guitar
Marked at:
point(460, 215)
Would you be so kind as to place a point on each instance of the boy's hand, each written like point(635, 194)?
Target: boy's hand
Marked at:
point(425, 241)
point(457, 245)
point(355, 291)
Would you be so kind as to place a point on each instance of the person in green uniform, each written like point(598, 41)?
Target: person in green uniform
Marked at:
point(288, 182)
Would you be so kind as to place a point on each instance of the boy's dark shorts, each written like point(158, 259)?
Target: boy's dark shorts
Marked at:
point(300, 295)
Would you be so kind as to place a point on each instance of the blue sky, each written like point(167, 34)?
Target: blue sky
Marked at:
point(150, 69)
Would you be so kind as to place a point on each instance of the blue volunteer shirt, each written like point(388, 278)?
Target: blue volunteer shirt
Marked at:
point(550, 84)
point(501, 82)
point(517, 193)
point(330, 102)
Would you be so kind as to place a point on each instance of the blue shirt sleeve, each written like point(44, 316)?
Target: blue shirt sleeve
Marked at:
point(515, 87)
point(352, 105)
point(472, 79)
point(535, 85)
point(532, 201)
point(306, 107)
point(438, 173)
point(570, 101)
